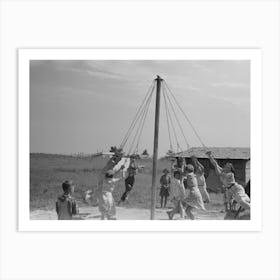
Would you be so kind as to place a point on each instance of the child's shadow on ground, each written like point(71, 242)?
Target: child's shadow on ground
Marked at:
point(88, 216)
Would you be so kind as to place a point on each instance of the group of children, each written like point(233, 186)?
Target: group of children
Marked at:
point(183, 190)
point(187, 189)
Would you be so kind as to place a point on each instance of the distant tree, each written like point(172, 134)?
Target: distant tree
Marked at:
point(113, 149)
point(169, 152)
point(145, 153)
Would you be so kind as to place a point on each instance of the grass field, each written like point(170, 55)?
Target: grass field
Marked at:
point(47, 172)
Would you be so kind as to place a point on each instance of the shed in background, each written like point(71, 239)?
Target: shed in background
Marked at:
point(239, 157)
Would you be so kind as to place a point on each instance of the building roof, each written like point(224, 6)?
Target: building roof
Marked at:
point(218, 152)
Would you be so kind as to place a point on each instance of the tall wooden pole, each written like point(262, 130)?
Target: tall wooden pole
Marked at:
point(155, 153)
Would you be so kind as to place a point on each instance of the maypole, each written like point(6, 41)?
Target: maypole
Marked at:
point(155, 153)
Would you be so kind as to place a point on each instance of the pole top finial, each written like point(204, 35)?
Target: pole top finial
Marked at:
point(158, 78)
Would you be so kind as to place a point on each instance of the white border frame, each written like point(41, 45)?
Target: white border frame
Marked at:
point(24, 57)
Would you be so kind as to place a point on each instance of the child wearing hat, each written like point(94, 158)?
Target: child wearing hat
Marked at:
point(66, 206)
point(165, 181)
point(106, 203)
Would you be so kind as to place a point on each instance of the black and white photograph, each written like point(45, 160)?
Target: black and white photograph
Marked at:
point(140, 139)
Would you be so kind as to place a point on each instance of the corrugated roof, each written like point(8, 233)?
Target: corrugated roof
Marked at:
point(218, 152)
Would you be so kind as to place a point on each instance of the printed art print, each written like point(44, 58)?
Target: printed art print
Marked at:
point(139, 140)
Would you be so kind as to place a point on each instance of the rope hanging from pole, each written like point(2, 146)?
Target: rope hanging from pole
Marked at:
point(136, 117)
point(141, 130)
point(178, 122)
point(139, 120)
point(172, 124)
point(188, 120)
point(168, 122)
point(141, 124)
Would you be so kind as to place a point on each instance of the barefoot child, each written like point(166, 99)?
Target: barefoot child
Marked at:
point(194, 199)
point(178, 194)
point(106, 203)
point(66, 205)
point(164, 187)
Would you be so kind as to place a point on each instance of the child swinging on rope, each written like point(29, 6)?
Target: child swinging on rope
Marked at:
point(105, 187)
point(129, 181)
point(234, 192)
point(199, 172)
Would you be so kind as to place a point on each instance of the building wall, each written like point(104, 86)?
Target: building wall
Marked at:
point(248, 171)
point(241, 167)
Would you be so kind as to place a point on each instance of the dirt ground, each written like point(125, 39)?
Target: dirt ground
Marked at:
point(123, 213)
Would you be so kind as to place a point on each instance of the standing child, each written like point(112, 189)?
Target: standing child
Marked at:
point(164, 187)
point(66, 205)
point(178, 194)
point(106, 201)
point(194, 199)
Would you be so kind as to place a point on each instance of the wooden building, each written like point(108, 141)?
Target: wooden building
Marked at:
point(239, 157)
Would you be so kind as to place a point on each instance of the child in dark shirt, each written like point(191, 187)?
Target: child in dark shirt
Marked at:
point(129, 181)
point(164, 187)
point(66, 205)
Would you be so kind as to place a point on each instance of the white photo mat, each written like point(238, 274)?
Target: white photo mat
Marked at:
point(255, 58)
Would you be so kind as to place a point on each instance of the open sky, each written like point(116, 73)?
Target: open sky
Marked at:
point(87, 106)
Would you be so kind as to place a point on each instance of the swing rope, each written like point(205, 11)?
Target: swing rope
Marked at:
point(172, 124)
point(137, 125)
point(178, 122)
point(137, 115)
point(186, 117)
point(168, 122)
point(141, 130)
point(140, 124)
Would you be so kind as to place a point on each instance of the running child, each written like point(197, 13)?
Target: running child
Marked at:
point(199, 173)
point(194, 199)
point(66, 206)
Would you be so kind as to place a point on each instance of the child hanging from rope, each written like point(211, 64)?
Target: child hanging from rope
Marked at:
point(178, 195)
point(223, 173)
point(106, 203)
point(199, 173)
point(165, 181)
point(194, 199)
point(234, 193)
point(129, 181)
